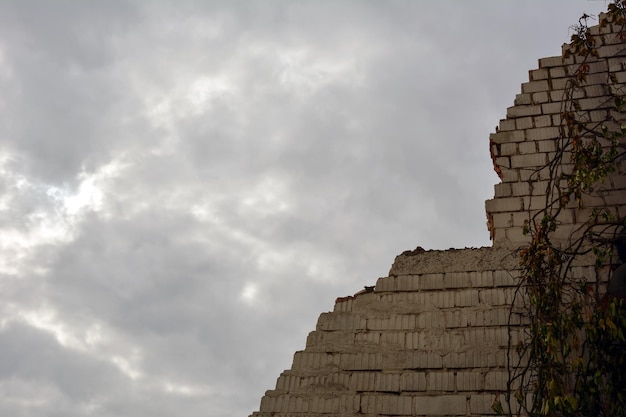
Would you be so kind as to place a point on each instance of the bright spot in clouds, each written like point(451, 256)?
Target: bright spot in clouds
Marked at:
point(249, 292)
point(204, 89)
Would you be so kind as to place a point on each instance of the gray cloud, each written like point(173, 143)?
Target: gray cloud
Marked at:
point(187, 185)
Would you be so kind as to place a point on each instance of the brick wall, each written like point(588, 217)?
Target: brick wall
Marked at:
point(431, 339)
point(526, 140)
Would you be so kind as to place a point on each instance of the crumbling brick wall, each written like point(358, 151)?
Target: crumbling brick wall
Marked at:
point(431, 338)
point(527, 139)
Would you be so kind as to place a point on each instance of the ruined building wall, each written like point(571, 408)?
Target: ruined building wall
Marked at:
point(431, 338)
point(527, 140)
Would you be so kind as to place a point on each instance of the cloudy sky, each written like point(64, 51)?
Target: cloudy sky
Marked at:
point(186, 185)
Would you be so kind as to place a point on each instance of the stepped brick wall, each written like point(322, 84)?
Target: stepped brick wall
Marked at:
point(528, 138)
point(431, 338)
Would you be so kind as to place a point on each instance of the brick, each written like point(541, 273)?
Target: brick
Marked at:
point(611, 50)
point(615, 199)
point(469, 381)
point(387, 382)
point(539, 188)
point(387, 404)
point(617, 64)
point(541, 97)
point(502, 190)
point(440, 299)
point(506, 125)
point(521, 218)
point(431, 281)
point(455, 280)
point(489, 336)
point(407, 283)
point(558, 72)
point(503, 162)
point(527, 147)
point(497, 316)
point(360, 361)
point(473, 358)
point(510, 175)
point(507, 137)
point(384, 284)
point(466, 298)
point(600, 78)
point(481, 404)
point(521, 99)
point(506, 277)
point(621, 211)
point(367, 338)
point(546, 145)
point(598, 115)
point(538, 74)
point(514, 234)
point(528, 160)
point(457, 318)
point(522, 111)
point(349, 404)
point(554, 61)
point(288, 382)
point(542, 121)
point(483, 279)
point(492, 297)
point(597, 201)
point(535, 86)
point(430, 319)
point(596, 103)
point(507, 149)
point(502, 220)
point(415, 340)
point(413, 381)
point(440, 381)
point(520, 188)
point(534, 202)
point(595, 90)
point(597, 30)
point(393, 322)
point(496, 380)
point(503, 204)
point(340, 321)
point(619, 182)
point(440, 405)
point(423, 360)
point(557, 95)
point(566, 216)
point(543, 133)
point(534, 173)
point(561, 83)
point(593, 67)
point(327, 340)
point(524, 123)
point(304, 360)
point(610, 39)
point(551, 108)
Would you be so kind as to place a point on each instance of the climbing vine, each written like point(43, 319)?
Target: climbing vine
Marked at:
point(572, 361)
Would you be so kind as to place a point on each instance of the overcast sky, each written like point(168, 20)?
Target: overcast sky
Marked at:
point(186, 185)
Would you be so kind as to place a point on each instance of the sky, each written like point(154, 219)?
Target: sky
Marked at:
point(185, 186)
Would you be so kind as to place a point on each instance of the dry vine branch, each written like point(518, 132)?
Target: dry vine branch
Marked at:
point(573, 361)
